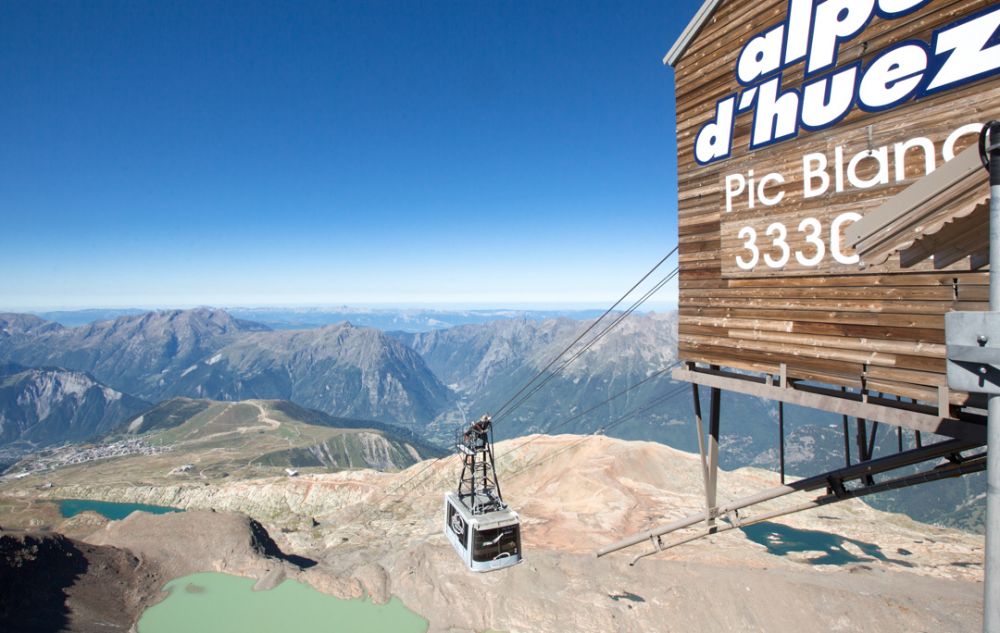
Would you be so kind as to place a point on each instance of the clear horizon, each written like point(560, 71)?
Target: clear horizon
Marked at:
point(649, 306)
point(169, 154)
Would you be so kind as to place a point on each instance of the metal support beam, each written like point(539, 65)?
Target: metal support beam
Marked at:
point(991, 582)
point(952, 470)
point(847, 438)
point(864, 447)
point(781, 440)
point(847, 442)
point(857, 471)
point(871, 439)
point(715, 401)
point(849, 405)
point(701, 449)
point(862, 439)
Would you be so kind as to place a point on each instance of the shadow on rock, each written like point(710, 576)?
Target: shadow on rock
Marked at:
point(264, 544)
point(35, 572)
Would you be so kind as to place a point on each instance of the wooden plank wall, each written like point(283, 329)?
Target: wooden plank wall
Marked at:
point(881, 327)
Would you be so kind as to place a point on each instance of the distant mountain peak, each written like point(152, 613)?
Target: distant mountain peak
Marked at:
point(14, 324)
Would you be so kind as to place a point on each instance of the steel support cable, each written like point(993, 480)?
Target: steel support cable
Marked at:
point(577, 416)
point(651, 404)
point(618, 320)
point(590, 343)
point(584, 333)
point(625, 418)
point(586, 347)
point(658, 400)
point(659, 285)
point(372, 505)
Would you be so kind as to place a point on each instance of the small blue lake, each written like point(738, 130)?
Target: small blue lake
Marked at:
point(826, 548)
point(107, 509)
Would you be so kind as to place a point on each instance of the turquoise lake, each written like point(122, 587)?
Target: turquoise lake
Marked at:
point(219, 603)
point(108, 509)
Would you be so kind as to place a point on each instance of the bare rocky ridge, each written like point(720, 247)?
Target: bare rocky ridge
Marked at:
point(206, 353)
point(339, 369)
point(136, 354)
point(44, 406)
point(14, 326)
point(380, 533)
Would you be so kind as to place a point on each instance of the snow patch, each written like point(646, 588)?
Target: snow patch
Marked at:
point(188, 370)
point(213, 360)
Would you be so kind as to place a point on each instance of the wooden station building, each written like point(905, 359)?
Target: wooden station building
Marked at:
point(795, 120)
point(832, 209)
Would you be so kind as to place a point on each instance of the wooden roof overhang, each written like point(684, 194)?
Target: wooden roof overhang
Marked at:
point(944, 216)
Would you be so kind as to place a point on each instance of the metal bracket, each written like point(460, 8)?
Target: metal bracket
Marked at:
point(973, 351)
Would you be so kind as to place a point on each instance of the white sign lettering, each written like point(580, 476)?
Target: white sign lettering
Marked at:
point(957, 53)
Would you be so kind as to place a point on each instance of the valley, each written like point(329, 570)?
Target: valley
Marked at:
point(204, 441)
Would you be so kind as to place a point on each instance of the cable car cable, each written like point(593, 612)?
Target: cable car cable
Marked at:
point(584, 333)
point(624, 418)
point(577, 416)
point(372, 506)
point(591, 343)
point(618, 320)
point(509, 407)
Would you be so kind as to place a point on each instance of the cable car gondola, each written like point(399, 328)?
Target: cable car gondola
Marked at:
point(482, 529)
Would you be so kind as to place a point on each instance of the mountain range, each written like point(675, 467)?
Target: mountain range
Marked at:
point(434, 382)
point(203, 353)
point(302, 318)
point(137, 354)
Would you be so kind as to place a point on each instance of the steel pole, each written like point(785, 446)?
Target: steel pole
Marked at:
point(991, 564)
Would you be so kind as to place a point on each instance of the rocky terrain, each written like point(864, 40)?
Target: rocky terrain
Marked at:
point(53, 583)
point(379, 533)
point(49, 582)
point(339, 369)
point(39, 407)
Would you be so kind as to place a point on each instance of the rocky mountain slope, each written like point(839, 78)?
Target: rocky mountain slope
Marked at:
point(52, 583)
point(204, 353)
point(846, 567)
point(487, 363)
point(340, 369)
point(39, 407)
point(137, 354)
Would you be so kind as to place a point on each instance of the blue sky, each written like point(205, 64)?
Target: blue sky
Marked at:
point(170, 154)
